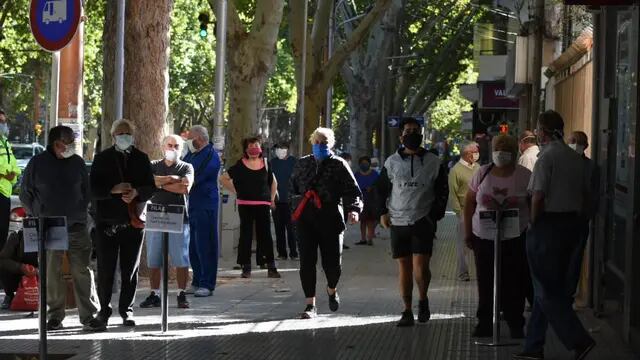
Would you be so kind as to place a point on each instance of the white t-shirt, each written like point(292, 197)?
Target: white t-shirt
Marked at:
point(500, 188)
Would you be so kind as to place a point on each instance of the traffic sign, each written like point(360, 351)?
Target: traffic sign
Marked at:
point(394, 121)
point(54, 22)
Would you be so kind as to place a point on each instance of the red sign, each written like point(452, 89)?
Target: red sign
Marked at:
point(599, 2)
point(494, 96)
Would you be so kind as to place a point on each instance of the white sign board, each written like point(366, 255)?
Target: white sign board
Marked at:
point(510, 223)
point(57, 234)
point(164, 218)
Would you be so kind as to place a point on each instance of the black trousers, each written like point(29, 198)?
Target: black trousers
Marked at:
point(313, 235)
point(10, 280)
point(128, 244)
point(514, 280)
point(258, 215)
point(285, 233)
point(5, 211)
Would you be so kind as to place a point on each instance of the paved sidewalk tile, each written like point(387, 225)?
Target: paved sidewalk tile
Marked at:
point(257, 318)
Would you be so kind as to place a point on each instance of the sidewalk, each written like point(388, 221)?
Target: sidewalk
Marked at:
point(256, 319)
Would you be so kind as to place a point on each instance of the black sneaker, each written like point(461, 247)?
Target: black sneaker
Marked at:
point(309, 312)
point(6, 303)
point(424, 314)
point(361, 242)
point(182, 300)
point(128, 321)
point(94, 325)
point(407, 319)
point(273, 273)
point(246, 271)
point(528, 356)
point(54, 324)
point(334, 301)
point(482, 331)
point(345, 247)
point(151, 301)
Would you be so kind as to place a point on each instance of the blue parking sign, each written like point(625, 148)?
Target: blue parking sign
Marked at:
point(54, 22)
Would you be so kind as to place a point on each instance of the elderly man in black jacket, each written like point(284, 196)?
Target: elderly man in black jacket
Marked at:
point(121, 181)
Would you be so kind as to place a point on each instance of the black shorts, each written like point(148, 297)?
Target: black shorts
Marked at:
point(413, 239)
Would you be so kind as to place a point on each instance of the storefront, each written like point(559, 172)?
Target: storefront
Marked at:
point(616, 276)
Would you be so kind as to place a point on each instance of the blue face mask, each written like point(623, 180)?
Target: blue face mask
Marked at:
point(320, 151)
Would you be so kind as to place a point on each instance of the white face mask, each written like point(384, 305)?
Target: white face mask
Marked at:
point(124, 141)
point(502, 158)
point(476, 157)
point(281, 153)
point(577, 148)
point(171, 155)
point(69, 151)
point(190, 146)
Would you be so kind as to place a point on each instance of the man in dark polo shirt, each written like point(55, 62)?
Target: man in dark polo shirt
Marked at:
point(173, 178)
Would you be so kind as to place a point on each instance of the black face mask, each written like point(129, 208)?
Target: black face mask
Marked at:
point(412, 141)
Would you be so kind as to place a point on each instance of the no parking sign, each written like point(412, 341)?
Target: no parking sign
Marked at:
point(54, 22)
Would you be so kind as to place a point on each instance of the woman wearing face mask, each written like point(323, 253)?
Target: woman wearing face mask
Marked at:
point(322, 185)
point(255, 187)
point(366, 178)
point(502, 183)
point(120, 175)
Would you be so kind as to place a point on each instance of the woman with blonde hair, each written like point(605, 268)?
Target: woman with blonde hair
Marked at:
point(321, 185)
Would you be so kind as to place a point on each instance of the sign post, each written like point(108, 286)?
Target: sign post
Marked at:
point(40, 235)
point(165, 219)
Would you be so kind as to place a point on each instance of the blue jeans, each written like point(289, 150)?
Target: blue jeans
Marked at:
point(203, 248)
point(553, 245)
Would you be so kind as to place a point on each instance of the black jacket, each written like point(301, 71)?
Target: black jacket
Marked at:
point(112, 167)
point(336, 186)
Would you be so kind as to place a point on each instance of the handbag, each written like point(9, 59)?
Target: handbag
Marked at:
point(26, 298)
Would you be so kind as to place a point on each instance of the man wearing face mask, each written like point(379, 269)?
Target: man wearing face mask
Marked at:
point(282, 167)
point(121, 181)
point(9, 172)
point(56, 183)
point(173, 178)
point(459, 179)
point(579, 142)
point(528, 150)
point(411, 184)
point(203, 212)
point(559, 199)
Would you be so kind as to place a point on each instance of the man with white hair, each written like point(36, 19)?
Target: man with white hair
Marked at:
point(459, 179)
point(121, 180)
point(321, 186)
point(203, 211)
point(173, 178)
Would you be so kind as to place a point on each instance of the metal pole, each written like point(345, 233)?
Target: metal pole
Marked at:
point(165, 282)
point(329, 105)
point(119, 68)
point(42, 270)
point(55, 88)
point(218, 120)
point(303, 80)
point(383, 133)
point(497, 266)
point(539, 26)
point(221, 43)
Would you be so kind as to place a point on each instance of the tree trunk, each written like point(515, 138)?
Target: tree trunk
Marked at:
point(244, 105)
point(146, 87)
point(108, 73)
point(361, 132)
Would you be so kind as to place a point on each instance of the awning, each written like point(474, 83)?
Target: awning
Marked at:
point(575, 52)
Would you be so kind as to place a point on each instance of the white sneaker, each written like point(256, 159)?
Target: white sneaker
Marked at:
point(192, 290)
point(203, 292)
